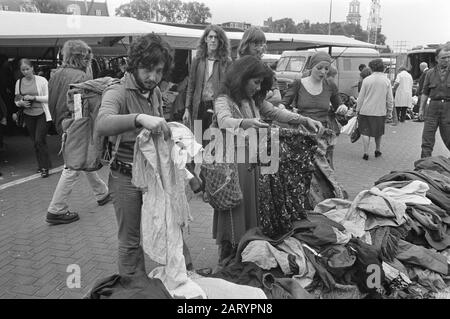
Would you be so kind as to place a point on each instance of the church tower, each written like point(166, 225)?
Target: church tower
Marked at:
point(354, 16)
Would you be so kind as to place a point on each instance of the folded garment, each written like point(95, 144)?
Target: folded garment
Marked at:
point(216, 288)
point(407, 192)
point(435, 193)
point(128, 287)
point(439, 164)
point(435, 230)
point(263, 254)
point(284, 288)
point(427, 278)
point(421, 256)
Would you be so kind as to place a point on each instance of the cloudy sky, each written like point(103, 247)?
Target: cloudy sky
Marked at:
point(415, 21)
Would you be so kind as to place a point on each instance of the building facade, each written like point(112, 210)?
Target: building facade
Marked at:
point(71, 7)
point(237, 25)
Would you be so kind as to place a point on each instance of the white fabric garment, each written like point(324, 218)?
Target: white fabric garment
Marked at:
point(294, 247)
point(403, 94)
point(210, 68)
point(266, 256)
point(413, 193)
point(186, 146)
point(165, 209)
point(345, 213)
point(216, 288)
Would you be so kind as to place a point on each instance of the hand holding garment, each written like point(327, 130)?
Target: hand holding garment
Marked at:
point(165, 209)
point(283, 195)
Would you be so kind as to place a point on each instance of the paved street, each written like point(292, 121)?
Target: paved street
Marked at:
point(34, 256)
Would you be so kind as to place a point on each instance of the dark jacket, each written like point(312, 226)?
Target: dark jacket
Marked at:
point(196, 81)
point(421, 81)
point(57, 93)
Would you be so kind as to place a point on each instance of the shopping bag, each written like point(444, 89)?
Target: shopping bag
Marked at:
point(350, 127)
point(355, 135)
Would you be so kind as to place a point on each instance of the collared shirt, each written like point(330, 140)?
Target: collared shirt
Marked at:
point(434, 86)
point(208, 84)
point(127, 98)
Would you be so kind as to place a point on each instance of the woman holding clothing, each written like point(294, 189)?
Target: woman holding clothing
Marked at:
point(241, 104)
point(312, 96)
point(31, 94)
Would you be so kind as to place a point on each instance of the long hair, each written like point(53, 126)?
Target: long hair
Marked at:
point(76, 54)
point(251, 35)
point(223, 49)
point(148, 51)
point(238, 75)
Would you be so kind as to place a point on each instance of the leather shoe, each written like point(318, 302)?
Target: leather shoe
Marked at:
point(378, 153)
point(366, 157)
point(105, 200)
point(57, 219)
point(44, 173)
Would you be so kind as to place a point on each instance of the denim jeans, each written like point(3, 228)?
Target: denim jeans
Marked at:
point(437, 116)
point(59, 203)
point(37, 128)
point(127, 201)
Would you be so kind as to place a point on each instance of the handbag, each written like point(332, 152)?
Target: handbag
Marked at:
point(356, 134)
point(19, 113)
point(221, 179)
point(222, 185)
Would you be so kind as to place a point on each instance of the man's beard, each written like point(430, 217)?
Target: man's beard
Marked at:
point(142, 86)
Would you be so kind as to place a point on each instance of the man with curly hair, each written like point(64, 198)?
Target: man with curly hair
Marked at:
point(76, 68)
point(127, 107)
point(206, 76)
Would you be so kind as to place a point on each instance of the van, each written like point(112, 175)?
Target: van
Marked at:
point(292, 65)
point(270, 59)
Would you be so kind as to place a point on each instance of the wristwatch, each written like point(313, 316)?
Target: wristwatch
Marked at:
point(136, 124)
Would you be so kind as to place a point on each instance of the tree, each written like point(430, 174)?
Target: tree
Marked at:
point(138, 9)
point(337, 28)
point(165, 11)
point(170, 10)
point(286, 25)
point(50, 6)
point(196, 13)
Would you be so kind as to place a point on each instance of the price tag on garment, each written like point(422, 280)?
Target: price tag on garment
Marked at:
point(78, 111)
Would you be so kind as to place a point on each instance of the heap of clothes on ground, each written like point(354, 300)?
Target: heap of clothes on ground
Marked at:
point(391, 241)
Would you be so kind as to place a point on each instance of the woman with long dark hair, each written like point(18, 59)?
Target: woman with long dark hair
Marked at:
point(241, 104)
point(32, 95)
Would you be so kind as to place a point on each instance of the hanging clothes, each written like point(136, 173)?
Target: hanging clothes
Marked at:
point(165, 210)
point(283, 195)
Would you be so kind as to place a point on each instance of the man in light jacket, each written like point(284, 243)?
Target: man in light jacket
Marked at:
point(76, 64)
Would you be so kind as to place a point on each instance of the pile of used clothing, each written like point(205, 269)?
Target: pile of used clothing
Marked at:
point(391, 241)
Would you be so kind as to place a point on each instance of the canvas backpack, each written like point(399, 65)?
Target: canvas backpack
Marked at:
point(82, 148)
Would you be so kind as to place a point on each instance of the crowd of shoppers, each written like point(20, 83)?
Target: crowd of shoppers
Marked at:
point(223, 94)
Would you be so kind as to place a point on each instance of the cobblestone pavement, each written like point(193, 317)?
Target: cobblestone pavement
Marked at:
point(34, 256)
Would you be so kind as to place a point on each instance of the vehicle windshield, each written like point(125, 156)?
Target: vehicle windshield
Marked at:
point(291, 64)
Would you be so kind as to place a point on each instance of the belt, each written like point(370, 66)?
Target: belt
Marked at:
point(124, 168)
point(441, 100)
